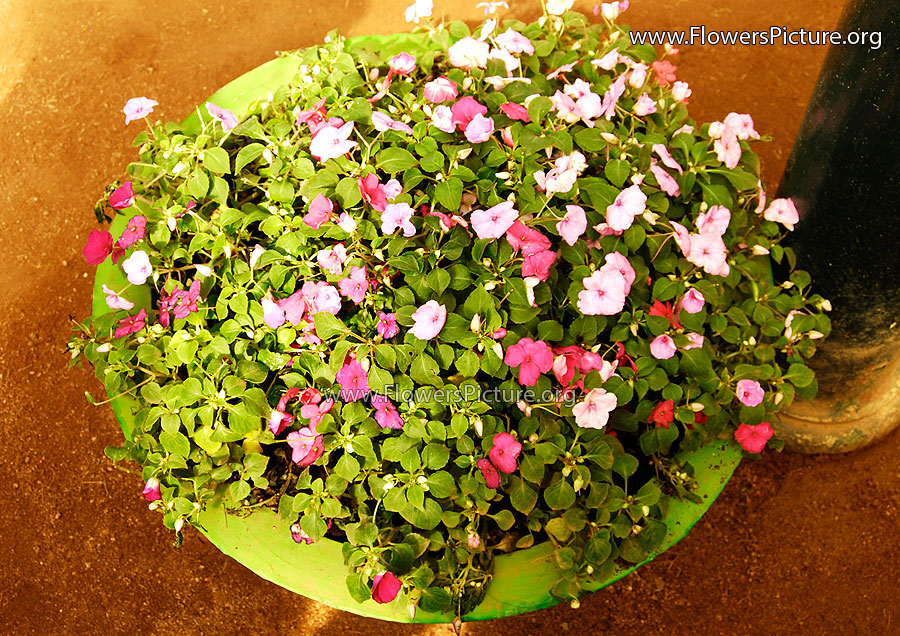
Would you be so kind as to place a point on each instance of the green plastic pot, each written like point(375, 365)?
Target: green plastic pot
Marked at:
point(262, 541)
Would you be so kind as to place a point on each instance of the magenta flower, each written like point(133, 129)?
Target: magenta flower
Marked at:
point(131, 324)
point(99, 245)
point(527, 239)
point(429, 320)
point(372, 192)
point(330, 142)
point(122, 197)
point(115, 301)
point(442, 118)
point(505, 452)
point(386, 413)
point(138, 108)
point(666, 182)
point(514, 42)
point(573, 225)
point(594, 411)
point(532, 357)
point(782, 211)
point(307, 445)
point(397, 216)
point(750, 392)
point(440, 90)
point(222, 115)
point(354, 381)
point(644, 106)
point(134, 231)
point(629, 203)
point(184, 302)
point(469, 53)
point(151, 491)
point(387, 325)
point(465, 110)
point(714, 221)
point(604, 293)
point(479, 129)
point(137, 267)
point(490, 474)
point(355, 285)
point(691, 302)
point(319, 212)
point(495, 221)
point(402, 64)
point(663, 347)
point(753, 438)
point(385, 587)
point(538, 265)
point(279, 418)
point(298, 534)
point(515, 111)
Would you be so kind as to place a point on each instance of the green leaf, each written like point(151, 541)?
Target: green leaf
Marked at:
point(175, 442)
point(198, 185)
point(617, 171)
point(247, 154)
point(379, 379)
point(696, 363)
point(424, 370)
point(468, 363)
point(522, 496)
point(216, 160)
point(438, 279)
point(448, 194)
point(590, 140)
point(538, 108)
point(800, 375)
point(328, 325)
point(347, 192)
point(393, 160)
point(560, 495)
point(347, 467)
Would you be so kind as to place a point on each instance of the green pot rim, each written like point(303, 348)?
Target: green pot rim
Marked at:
point(262, 541)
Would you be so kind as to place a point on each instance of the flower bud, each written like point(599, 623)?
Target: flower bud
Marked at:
point(533, 438)
point(104, 348)
point(825, 305)
point(759, 250)
point(478, 425)
point(489, 286)
point(475, 325)
point(815, 335)
point(524, 407)
point(575, 604)
point(645, 509)
point(696, 407)
point(179, 524)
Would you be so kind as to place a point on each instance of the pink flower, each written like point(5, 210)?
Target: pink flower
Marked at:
point(318, 297)
point(532, 357)
point(224, 116)
point(346, 223)
point(441, 90)
point(372, 191)
point(298, 534)
point(99, 245)
point(620, 263)
point(354, 286)
point(665, 72)
point(666, 157)
point(397, 215)
point(278, 418)
point(273, 315)
point(490, 474)
point(114, 301)
point(293, 308)
point(442, 118)
point(538, 265)
point(386, 413)
point(307, 445)
point(469, 53)
point(750, 392)
point(505, 452)
point(383, 122)
point(122, 197)
point(138, 108)
point(385, 587)
point(402, 64)
point(330, 142)
point(741, 126)
point(782, 211)
point(151, 491)
point(714, 221)
point(663, 347)
point(514, 42)
point(315, 411)
point(184, 302)
point(681, 91)
point(495, 221)
point(465, 110)
point(479, 129)
point(131, 324)
point(515, 111)
point(527, 239)
point(753, 438)
point(629, 203)
point(708, 252)
point(418, 10)
point(611, 97)
point(692, 301)
point(695, 341)
point(332, 260)
point(666, 182)
point(387, 325)
point(137, 267)
point(134, 231)
point(573, 225)
point(609, 61)
point(429, 320)
point(594, 411)
point(354, 381)
point(644, 106)
point(319, 212)
point(604, 293)
point(313, 117)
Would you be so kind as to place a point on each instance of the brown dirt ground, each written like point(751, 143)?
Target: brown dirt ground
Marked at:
point(796, 545)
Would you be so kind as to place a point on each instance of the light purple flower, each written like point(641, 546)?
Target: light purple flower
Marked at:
point(750, 392)
point(397, 215)
point(115, 301)
point(138, 108)
point(224, 116)
point(355, 285)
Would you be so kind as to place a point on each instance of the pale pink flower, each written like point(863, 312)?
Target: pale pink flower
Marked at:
point(692, 301)
point(682, 238)
point(222, 115)
point(122, 197)
point(469, 53)
point(319, 211)
point(666, 181)
point(514, 42)
point(419, 10)
point(151, 491)
point(330, 142)
point(611, 10)
point(490, 8)
point(397, 215)
point(753, 438)
point(273, 315)
point(115, 301)
point(609, 61)
point(644, 106)
point(203, 271)
point(346, 223)
point(603, 294)
point(495, 221)
point(510, 61)
point(428, 320)
point(332, 260)
point(594, 411)
point(479, 129)
point(638, 75)
point(307, 446)
point(402, 64)
point(442, 118)
point(355, 285)
point(137, 267)
point(138, 108)
point(709, 252)
point(629, 203)
point(320, 296)
point(681, 91)
point(533, 357)
point(611, 97)
point(714, 221)
point(741, 125)
point(750, 392)
point(782, 211)
point(440, 90)
point(695, 341)
point(666, 157)
point(573, 225)
point(383, 122)
point(663, 347)
point(258, 251)
point(620, 263)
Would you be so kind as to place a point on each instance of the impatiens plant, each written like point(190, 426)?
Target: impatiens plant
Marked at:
point(452, 302)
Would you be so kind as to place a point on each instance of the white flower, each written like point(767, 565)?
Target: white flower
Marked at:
point(137, 267)
point(559, 7)
point(419, 10)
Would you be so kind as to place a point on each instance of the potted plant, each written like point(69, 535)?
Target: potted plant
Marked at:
point(439, 316)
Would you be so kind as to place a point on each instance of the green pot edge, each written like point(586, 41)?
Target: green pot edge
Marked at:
point(262, 541)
